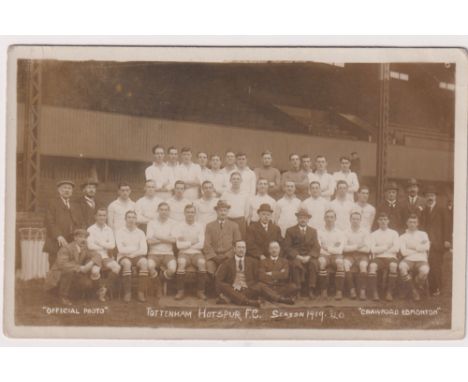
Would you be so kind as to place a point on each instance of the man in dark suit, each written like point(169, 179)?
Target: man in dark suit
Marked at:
point(261, 233)
point(302, 248)
point(413, 203)
point(273, 275)
point(88, 202)
point(220, 236)
point(435, 223)
point(62, 218)
point(68, 271)
point(236, 279)
point(392, 208)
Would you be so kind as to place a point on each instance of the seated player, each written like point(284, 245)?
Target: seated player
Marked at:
point(286, 208)
point(414, 267)
point(261, 233)
point(384, 245)
point(190, 237)
point(356, 257)
point(302, 248)
point(178, 202)
point(332, 242)
point(132, 250)
point(101, 240)
point(273, 275)
point(236, 279)
point(160, 241)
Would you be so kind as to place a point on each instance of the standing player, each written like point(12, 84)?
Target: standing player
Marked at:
point(160, 174)
point(205, 206)
point(229, 165)
point(146, 207)
point(326, 180)
point(271, 174)
point(239, 202)
point(286, 208)
point(172, 162)
point(190, 174)
point(177, 203)
point(342, 206)
point(356, 257)
point(218, 176)
point(306, 164)
point(366, 210)
point(297, 176)
point(348, 176)
point(190, 237)
point(316, 206)
point(414, 247)
point(384, 245)
point(262, 197)
point(119, 207)
point(332, 242)
point(249, 181)
point(202, 158)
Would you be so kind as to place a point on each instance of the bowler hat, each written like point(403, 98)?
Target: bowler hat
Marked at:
point(88, 182)
point(412, 182)
point(303, 212)
point(430, 190)
point(80, 232)
point(265, 207)
point(222, 204)
point(65, 181)
point(391, 186)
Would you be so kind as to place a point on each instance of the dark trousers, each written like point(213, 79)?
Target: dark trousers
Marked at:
point(436, 260)
point(242, 226)
point(74, 282)
point(239, 297)
point(301, 271)
point(276, 292)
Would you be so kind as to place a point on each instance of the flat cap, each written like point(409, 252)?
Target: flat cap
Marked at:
point(89, 181)
point(391, 186)
point(65, 181)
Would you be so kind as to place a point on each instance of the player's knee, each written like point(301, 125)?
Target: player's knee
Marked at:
point(126, 265)
point(181, 264)
point(363, 266)
point(373, 268)
point(322, 263)
point(423, 271)
point(403, 268)
point(151, 264)
point(115, 267)
point(201, 265)
point(171, 267)
point(143, 264)
point(347, 265)
point(393, 267)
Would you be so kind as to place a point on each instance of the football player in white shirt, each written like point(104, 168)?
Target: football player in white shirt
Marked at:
point(146, 207)
point(342, 206)
point(326, 180)
point(172, 161)
point(249, 179)
point(190, 237)
point(119, 207)
point(190, 174)
point(177, 203)
point(229, 164)
point(205, 206)
point(414, 247)
point(384, 245)
point(262, 197)
point(356, 257)
point(218, 176)
point(332, 242)
point(160, 173)
point(366, 210)
point(239, 203)
point(202, 159)
point(160, 241)
point(101, 241)
point(316, 206)
point(347, 175)
point(286, 208)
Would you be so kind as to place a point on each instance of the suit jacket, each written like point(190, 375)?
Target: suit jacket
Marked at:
point(279, 271)
point(61, 221)
point(296, 243)
point(436, 225)
point(68, 260)
point(226, 272)
point(395, 216)
point(258, 239)
point(220, 242)
point(408, 208)
point(88, 213)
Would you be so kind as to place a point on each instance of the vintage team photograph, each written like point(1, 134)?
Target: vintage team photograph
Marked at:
point(315, 194)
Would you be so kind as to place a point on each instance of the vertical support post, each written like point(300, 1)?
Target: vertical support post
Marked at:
point(31, 134)
point(383, 129)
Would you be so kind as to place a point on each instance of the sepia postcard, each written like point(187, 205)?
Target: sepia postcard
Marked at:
point(236, 193)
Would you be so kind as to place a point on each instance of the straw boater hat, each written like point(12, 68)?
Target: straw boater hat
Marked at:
point(303, 212)
point(265, 207)
point(222, 204)
point(88, 182)
point(65, 181)
point(391, 186)
point(80, 232)
point(430, 190)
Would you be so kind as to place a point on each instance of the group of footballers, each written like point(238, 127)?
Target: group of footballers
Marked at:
point(257, 234)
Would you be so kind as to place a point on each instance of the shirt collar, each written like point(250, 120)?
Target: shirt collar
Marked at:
point(239, 258)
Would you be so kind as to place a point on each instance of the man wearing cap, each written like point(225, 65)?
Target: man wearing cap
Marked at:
point(262, 197)
point(220, 236)
point(413, 203)
point(68, 271)
point(434, 219)
point(391, 207)
point(261, 233)
point(302, 248)
point(62, 218)
point(271, 174)
point(88, 202)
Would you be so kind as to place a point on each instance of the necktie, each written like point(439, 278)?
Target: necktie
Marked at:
point(91, 203)
point(221, 223)
point(240, 265)
point(67, 203)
